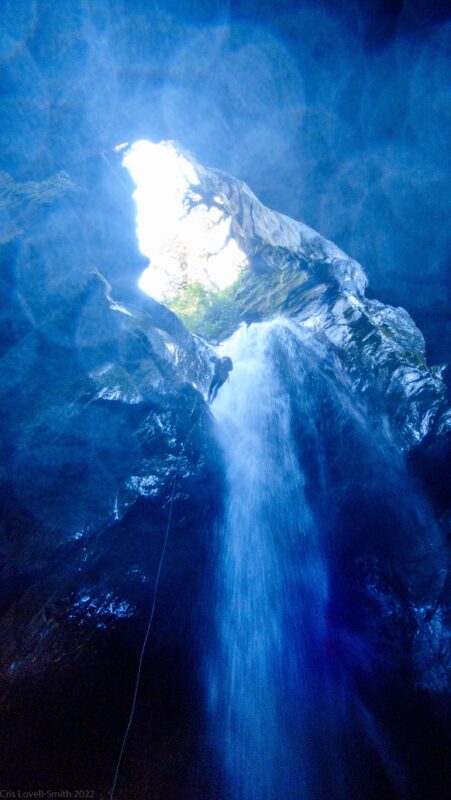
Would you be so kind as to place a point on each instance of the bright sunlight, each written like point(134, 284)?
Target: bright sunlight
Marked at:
point(184, 240)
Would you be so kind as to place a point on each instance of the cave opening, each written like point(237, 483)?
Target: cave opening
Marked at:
point(185, 231)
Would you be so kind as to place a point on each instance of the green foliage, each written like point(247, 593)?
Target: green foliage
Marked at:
point(209, 313)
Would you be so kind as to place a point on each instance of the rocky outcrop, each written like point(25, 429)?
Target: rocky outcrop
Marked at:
point(101, 409)
point(294, 271)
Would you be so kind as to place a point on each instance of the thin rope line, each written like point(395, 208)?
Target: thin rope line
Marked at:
point(149, 624)
point(118, 178)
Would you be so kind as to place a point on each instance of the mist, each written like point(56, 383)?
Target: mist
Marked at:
point(334, 113)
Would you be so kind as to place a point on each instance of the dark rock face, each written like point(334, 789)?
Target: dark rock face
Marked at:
point(106, 440)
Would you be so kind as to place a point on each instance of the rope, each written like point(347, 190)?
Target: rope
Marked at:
point(157, 578)
point(118, 178)
point(152, 612)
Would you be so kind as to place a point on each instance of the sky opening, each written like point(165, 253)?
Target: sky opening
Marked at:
point(184, 240)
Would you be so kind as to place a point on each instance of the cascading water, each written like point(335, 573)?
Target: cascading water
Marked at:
point(269, 552)
point(317, 501)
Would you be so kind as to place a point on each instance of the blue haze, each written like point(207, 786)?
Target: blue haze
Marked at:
point(336, 113)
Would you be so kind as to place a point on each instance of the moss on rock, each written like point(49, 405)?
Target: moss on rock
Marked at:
point(211, 314)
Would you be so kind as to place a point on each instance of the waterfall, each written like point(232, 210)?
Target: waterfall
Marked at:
point(322, 547)
point(271, 582)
